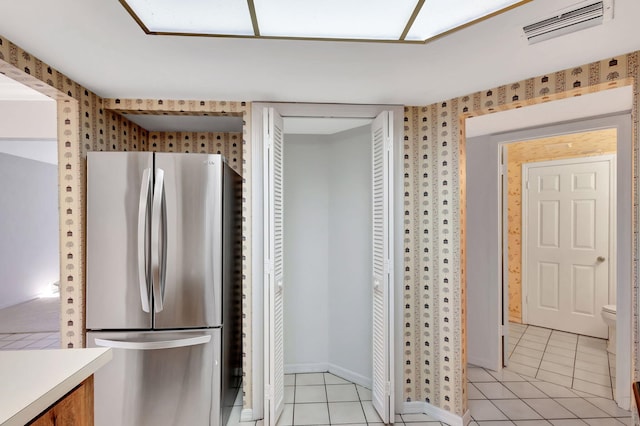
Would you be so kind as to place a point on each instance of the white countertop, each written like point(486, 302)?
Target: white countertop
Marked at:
point(31, 381)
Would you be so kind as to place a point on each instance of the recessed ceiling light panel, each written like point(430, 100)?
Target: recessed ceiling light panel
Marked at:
point(440, 16)
point(411, 21)
point(207, 17)
point(334, 19)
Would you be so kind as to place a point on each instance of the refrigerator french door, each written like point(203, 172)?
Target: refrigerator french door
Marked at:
point(163, 285)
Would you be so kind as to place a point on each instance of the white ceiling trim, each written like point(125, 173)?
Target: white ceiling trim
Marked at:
point(595, 104)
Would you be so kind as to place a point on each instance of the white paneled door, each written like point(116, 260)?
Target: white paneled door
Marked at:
point(566, 224)
point(274, 268)
point(382, 273)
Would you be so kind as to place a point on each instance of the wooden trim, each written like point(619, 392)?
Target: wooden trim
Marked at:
point(75, 408)
point(412, 19)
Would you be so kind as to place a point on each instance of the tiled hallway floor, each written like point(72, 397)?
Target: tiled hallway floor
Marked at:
point(19, 341)
point(578, 362)
point(509, 398)
point(326, 399)
point(495, 399)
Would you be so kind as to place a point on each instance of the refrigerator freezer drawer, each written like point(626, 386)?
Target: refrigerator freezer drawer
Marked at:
point(159, 378)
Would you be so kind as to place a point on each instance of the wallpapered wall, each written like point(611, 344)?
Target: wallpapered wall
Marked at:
point(227, 144)
point(87, 122)
point(121, 134)
point(434, 282)
point(434, 259)
point(585, 144)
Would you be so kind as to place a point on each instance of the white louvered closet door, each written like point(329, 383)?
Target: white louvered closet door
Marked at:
point(274, 268)
point(382, 278)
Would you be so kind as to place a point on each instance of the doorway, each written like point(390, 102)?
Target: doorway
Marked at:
point(276, 280)
point(327, 257)
point(568, 246)
point(560, 197)
point(30, 262)
point(501, 272)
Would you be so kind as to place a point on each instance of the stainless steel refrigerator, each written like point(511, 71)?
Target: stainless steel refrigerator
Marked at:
point(164, 287)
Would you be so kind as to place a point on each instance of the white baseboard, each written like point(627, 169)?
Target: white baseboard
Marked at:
point(306, 368)
point(246, 415)
point(356, 378)
point(420, 407)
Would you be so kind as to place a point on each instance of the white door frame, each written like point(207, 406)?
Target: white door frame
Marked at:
point(484, 324)
point(257, 264)
point(611, 258)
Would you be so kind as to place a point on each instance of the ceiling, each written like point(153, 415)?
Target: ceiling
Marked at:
point(99, 45)
point(178, 123)
point(11, 90)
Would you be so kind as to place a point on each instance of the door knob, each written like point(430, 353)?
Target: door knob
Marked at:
point(600, 259)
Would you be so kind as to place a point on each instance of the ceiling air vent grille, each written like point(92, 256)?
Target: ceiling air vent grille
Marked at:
point(569, 21)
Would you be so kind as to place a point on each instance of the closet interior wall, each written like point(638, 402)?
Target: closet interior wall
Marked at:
point(327, 248)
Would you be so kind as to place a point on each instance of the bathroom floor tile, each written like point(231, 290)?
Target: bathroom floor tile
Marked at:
point(309, 379)
point(311, 414)
point(485, 410)
point(473, 392)
point(346, 412)
point(525, 390)
point(332, 379)
point(476, 374)
point(549, 409)
point(311, 393)
point(495, 390)
point(582, 408)
point(516, 409)
point(342, 393)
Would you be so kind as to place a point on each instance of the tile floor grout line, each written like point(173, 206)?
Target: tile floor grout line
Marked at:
point(577, 348)
point(326, 394)
point(575, 358)
point(543, 352)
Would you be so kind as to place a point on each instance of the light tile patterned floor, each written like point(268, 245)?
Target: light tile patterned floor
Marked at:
point(578, 362)
point(504, 398)
point(326, 399)
point(510, 398)
point(30, 341)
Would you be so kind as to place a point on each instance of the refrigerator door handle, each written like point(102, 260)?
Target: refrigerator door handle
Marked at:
point(139, 345)
point(158, 233)
point(143, 265)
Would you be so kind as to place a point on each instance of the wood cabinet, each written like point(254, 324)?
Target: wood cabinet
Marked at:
point(73, 409)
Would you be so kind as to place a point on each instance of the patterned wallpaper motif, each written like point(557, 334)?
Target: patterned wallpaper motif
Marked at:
point(585, 144)
point(227, 144)
point(434, 292)
point(122, 134)
point(86, 122)
point(434, 282)
point(237, 149)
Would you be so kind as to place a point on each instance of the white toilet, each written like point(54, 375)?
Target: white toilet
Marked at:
point(609, 316)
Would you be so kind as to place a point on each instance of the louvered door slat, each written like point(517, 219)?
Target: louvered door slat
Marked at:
point(274, 239)
point(382, 283)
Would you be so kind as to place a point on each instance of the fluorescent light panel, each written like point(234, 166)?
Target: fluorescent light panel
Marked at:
point(222, 17)
point(437, 17)
point(376, 20)
point(334, 19)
